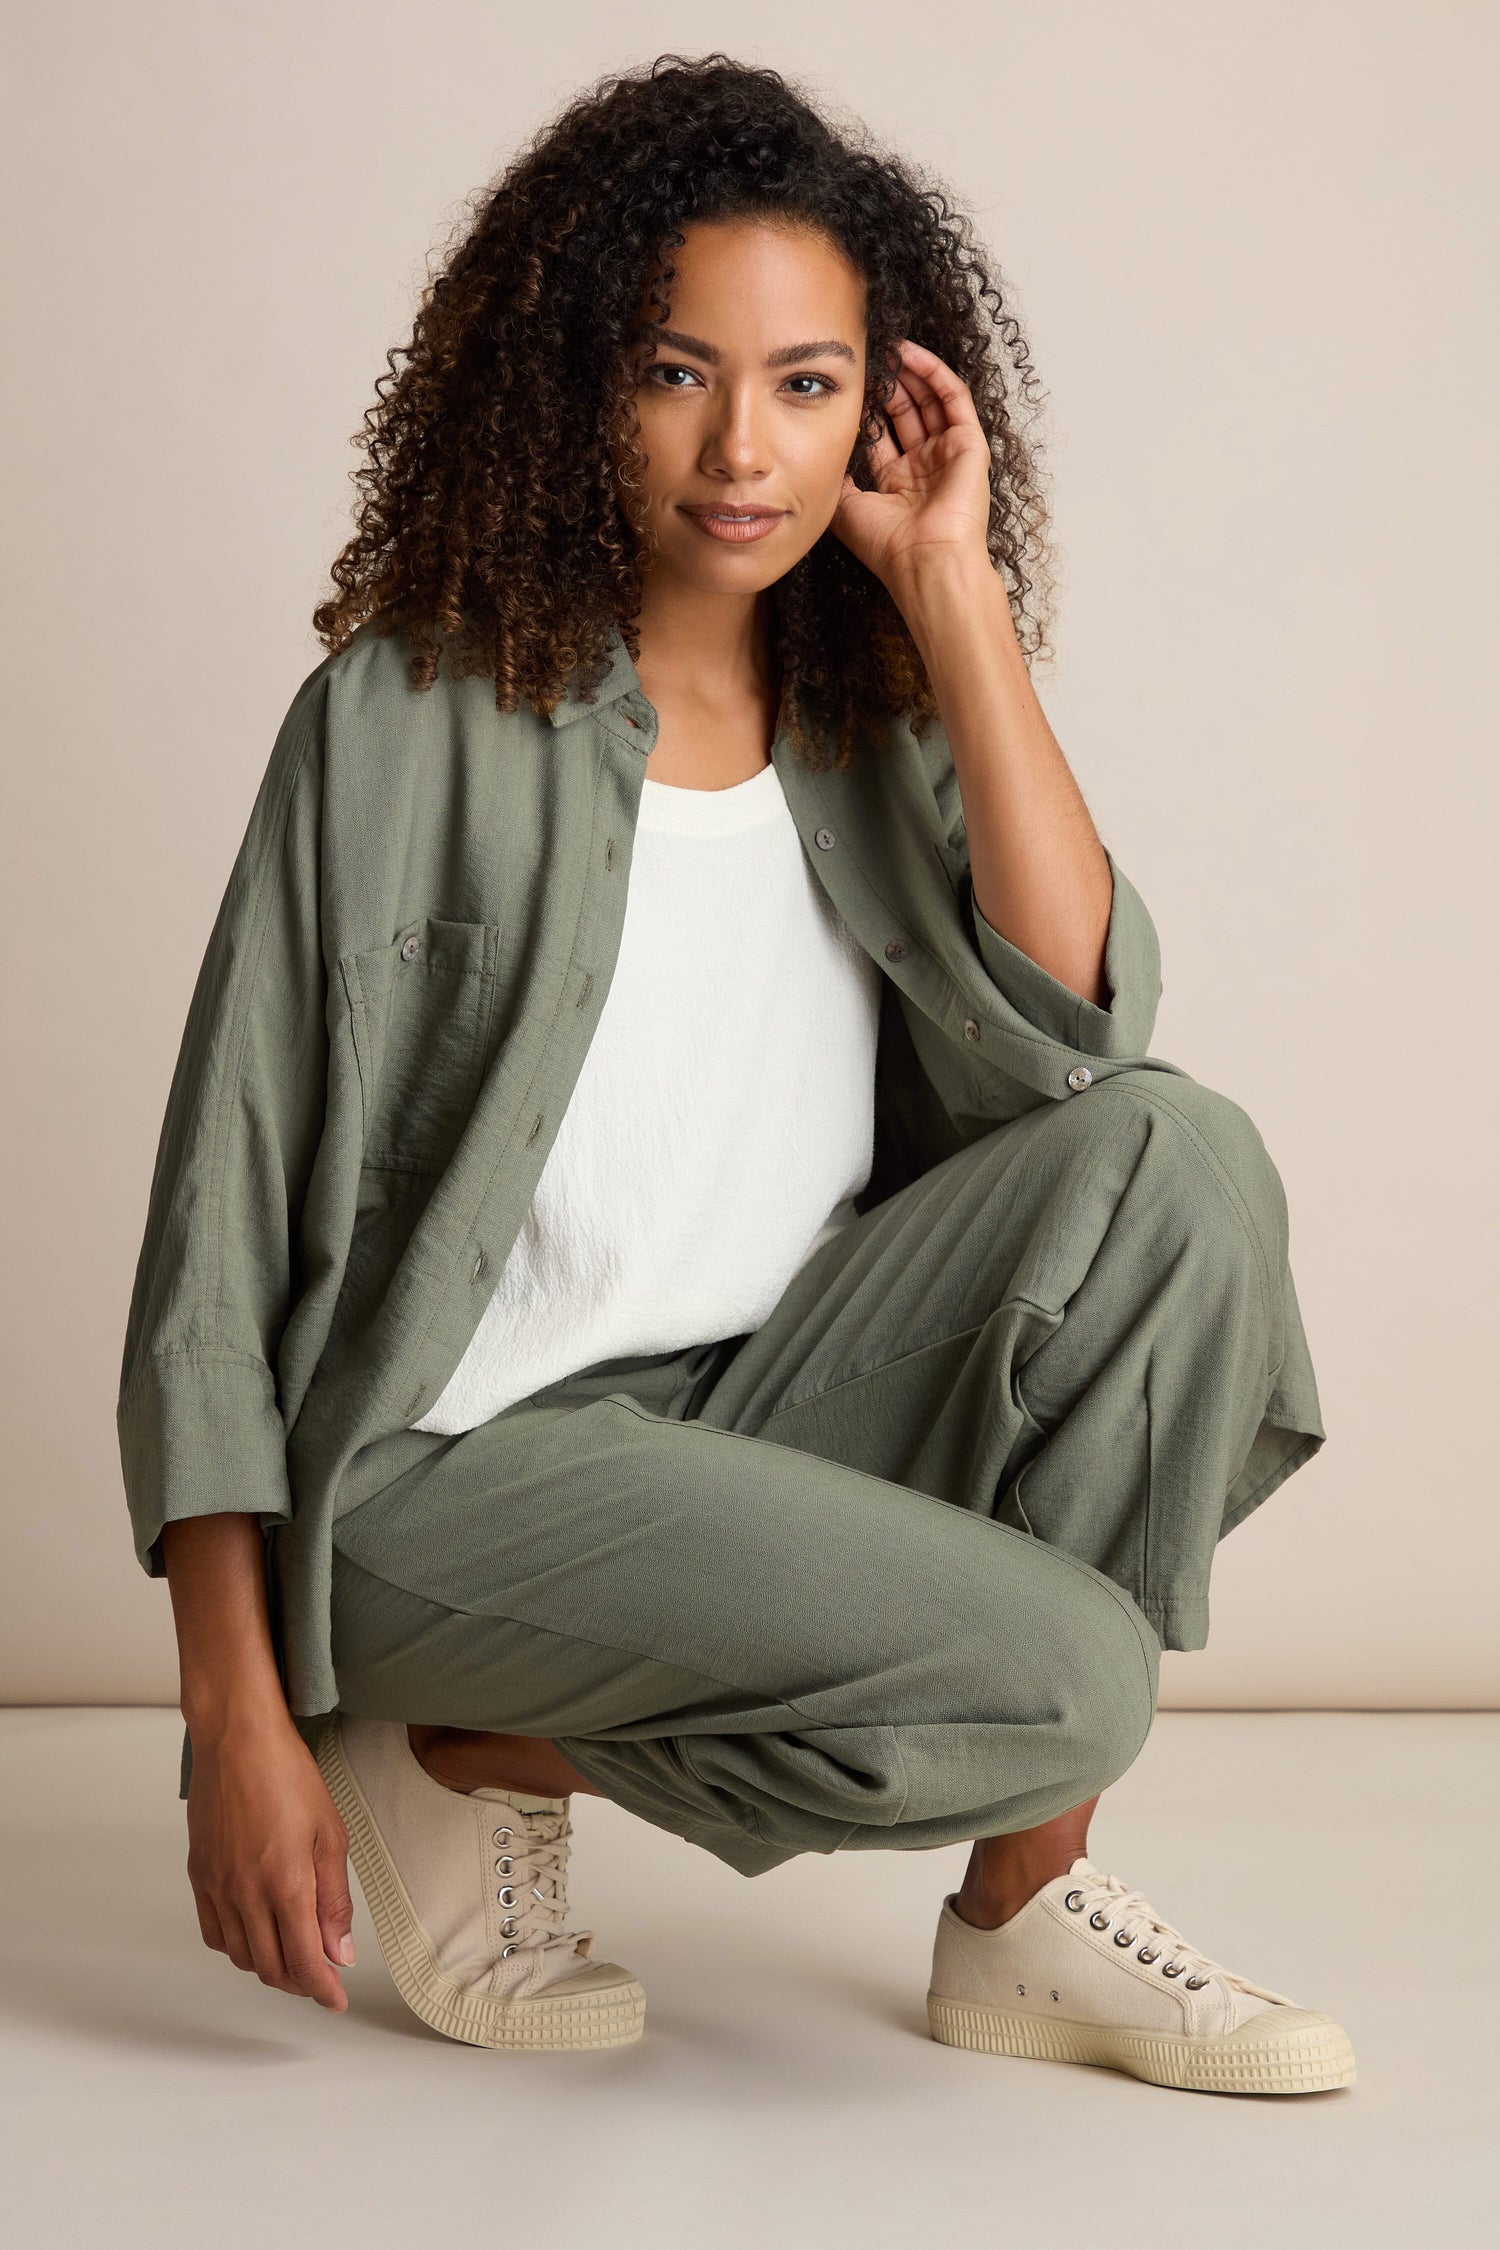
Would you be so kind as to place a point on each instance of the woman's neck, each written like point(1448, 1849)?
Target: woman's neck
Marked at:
point(708, 669)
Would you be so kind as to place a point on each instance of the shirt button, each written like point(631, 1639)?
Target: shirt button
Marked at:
point(897, 950)
point(824, 838)
point(1079, 1077)
point(411, 949)
point(971, 1028)
point(478, 1267)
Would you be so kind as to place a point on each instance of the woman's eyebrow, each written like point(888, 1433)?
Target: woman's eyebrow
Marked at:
point(831, 347)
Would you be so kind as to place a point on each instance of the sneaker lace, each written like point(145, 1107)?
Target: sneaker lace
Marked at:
point(531, 1864)
point(1105, 1900)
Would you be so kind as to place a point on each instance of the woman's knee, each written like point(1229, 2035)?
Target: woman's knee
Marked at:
point(1073, 1691)
point(1157, 1119)
point(1108, 1680)
point(1094, 1677)
point(1203, 1166)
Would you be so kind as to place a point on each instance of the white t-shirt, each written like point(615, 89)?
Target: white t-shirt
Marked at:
point(723, 1120)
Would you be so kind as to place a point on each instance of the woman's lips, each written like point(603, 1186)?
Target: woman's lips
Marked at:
point(735, 529)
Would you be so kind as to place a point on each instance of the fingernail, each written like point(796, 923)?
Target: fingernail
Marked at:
point(346, 1950)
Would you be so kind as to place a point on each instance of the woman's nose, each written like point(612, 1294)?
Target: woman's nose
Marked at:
point(737, 440)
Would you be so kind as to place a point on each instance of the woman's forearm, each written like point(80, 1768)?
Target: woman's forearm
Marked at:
point(1041, 877)
point(226, 1662)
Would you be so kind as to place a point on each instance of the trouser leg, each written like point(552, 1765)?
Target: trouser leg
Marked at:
point(762, 1651)
point(1072, 1325)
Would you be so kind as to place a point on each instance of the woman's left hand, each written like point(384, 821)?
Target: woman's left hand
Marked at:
point(932, 498)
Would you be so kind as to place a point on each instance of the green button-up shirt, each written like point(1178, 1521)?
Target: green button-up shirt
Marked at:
point(397, 995)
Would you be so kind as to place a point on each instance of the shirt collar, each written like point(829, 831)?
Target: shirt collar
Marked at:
point(621, 684)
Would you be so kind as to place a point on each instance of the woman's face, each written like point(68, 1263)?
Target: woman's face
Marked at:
point(751, 400)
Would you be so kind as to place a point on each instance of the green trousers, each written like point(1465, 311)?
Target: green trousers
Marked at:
point(895, 1569)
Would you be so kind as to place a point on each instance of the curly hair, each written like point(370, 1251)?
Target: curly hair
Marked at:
point(494, 521)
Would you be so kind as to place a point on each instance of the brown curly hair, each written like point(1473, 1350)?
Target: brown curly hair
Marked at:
point(490, 525)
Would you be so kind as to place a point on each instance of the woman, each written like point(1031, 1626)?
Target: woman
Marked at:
point(670, 1272)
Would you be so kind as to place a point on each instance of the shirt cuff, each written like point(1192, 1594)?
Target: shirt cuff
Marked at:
point(200, 1434)
point(1132, 970)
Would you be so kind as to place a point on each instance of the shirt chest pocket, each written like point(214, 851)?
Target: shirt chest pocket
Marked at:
point(421, 1009)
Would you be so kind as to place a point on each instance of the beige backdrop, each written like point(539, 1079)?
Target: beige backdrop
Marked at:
point(1251, 256)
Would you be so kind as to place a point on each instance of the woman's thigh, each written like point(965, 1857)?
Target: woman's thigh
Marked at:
point(855, 1356)
point(601, 1567)
point(1071, 1326)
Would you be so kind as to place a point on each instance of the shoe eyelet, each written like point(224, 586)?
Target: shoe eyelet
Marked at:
point(1074, 1902)
point(1173, 1968)
point(508, 1929)
point(1124, 1937)
point(506, 1895)
point(502, 1833)
point(1099, 1921)
point(1147, 1956)
point(506, 1951)
point(1196, 1984)
point(505, 1865)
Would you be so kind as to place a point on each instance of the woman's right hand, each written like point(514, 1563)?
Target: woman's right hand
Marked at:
point(267, 1851)
point(268, 1857)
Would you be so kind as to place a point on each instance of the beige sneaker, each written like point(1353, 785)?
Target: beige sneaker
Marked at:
point(468, 1893)
point(1087, 1972)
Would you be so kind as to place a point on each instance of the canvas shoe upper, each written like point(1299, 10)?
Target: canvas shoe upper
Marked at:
point(468, 1894)
point(1088, 1971)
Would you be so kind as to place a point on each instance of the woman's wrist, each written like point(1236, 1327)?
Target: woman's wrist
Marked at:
point(247, 1702)
point(226, 1663)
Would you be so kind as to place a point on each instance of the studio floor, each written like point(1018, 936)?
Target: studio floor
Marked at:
point(785, 2091)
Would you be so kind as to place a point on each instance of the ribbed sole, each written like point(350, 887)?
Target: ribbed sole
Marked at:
point(1307, 2055)
point(573, 2015)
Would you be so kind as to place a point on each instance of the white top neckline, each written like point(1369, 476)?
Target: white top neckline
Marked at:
point(668, 808)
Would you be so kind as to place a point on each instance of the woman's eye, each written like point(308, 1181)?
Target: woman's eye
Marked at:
point(663, 368)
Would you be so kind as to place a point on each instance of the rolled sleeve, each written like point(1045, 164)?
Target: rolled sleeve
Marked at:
point(200, 1434)
point(1132, 969)
point(198, 1412)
